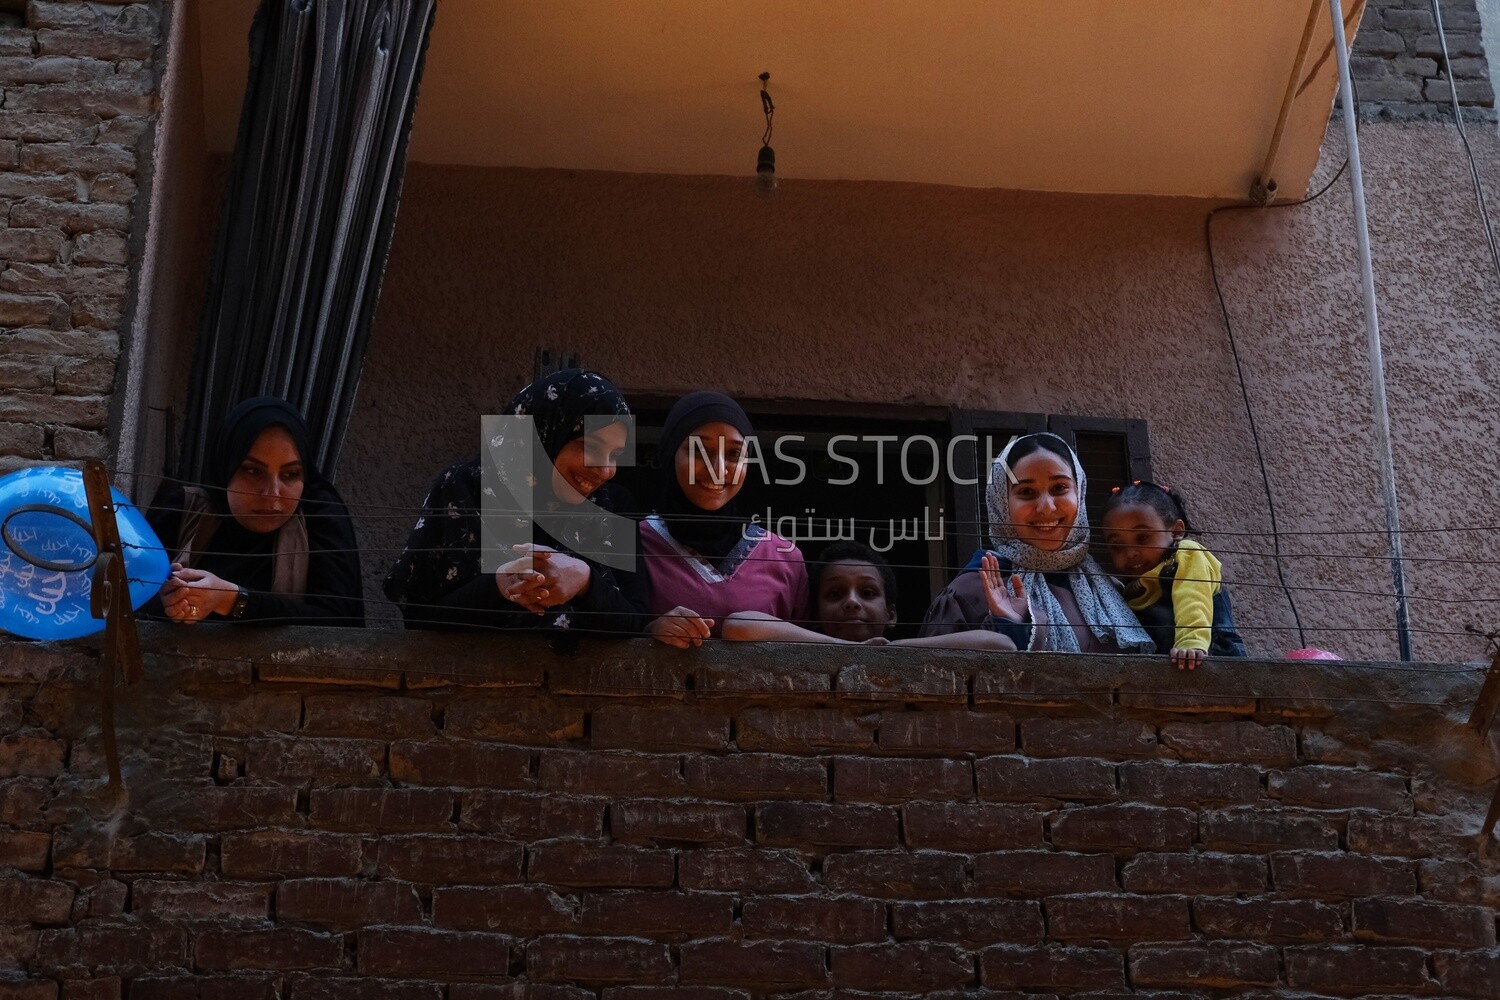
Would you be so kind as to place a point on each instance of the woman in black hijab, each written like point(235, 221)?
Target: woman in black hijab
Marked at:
point(267, 538)
point(562, 579)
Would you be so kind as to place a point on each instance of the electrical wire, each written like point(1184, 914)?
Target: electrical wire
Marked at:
point(1458, 119)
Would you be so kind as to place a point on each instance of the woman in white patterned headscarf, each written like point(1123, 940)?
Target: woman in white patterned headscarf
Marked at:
point(1037, 584)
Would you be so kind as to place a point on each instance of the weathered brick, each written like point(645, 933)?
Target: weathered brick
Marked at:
point(745, 870)
point(899, 683)
point(663, 993)
point(42, 68)
point(756, 777)
point(72, 443)
point(106, 898)
point(1407, 836)
point(200, 900)
point(113, 189)
point(102, 312)
point(1412, 921)
point(346, 904)
point(460, 763)
point(46, 213)
point(1118, 918)
point(760, 964)
point(653, 821)
point(73, 343)
point(147, 852)
point(610, 773)
point(25, 852)
point(799, 824)
point(63, 279)
point(1355, 969)
point(25, 373)
point(67, 158)
point(651, 914)
point(26, 440)
point(36, 407)
point(108, 45)
point(105, 98)
point(814, 918)
point(206, 987)
point(85, 376)
point(60, 14)
point(107, 947)
point(31, 756)
point(371, 716)
point(1470, 973)
point(612, 960)
point(961, 826)
point(100, 248)
point(444, 860)
point(339, 988)
point(512, 909)
point(381, 810)
point(419, 951)
point(27, 310)
point(941, 731)
point(874, 779)
point(1340, 788)
point(22, 800)
point(532, 817)
point(17, 946)
point(969, 921)
point(1123, 827)
point(1021, 779)
point(563, 863)
point(1051, 967)
point(1088, 737)
point(895, 874)
point(35, 901)
point(200, 807)
point(1318, 874)
point(1190, 784)
point(32, 127)
point(248, 713)
point(1459, 882)
point(31, 244)
point(1267, 919)
point(1215, 964)
point(302, 760)
point(912, 965)
point(277, 948)
point(1043, 873)
point(513, 721)
point(107, 988)
point(1262, 829)
point(658, 728)
point(802, 730)
point(277, 853)
point(1195, 874)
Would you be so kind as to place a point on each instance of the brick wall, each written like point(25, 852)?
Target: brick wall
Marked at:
point(1397, 62)
point(78, 94)
point(370, 815)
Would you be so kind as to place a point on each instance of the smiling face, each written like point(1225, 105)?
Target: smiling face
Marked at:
point(584, 464)
point(1138, 538)
point(1043, 500)
point(264, 491)
point(709, 467)
point(851, 602)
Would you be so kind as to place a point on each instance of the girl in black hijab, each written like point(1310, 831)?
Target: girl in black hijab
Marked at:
point(560, 581)
point(267, 538)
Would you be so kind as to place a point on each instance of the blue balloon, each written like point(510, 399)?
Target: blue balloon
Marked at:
point(47, 554)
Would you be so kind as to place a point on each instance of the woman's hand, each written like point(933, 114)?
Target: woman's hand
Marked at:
point(1187, 659)
point(1005, 602)
point(553, 578)
point(191, 595)
point(681, 627)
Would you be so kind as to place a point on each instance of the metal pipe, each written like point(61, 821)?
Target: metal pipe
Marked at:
point(1264, 189)
point(1372, 330)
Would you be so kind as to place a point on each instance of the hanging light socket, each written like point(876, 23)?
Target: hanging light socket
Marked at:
point(765, 162)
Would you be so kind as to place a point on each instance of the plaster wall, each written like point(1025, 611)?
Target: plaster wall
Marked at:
point(925, 295)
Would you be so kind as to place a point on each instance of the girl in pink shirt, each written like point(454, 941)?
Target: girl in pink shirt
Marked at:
point(704, 559)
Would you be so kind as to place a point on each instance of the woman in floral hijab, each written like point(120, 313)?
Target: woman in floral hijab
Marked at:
point(560, 581)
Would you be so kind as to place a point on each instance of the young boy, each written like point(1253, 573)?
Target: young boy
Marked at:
point(853, 598)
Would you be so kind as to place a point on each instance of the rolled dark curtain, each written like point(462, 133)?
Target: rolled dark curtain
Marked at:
point(306, 230)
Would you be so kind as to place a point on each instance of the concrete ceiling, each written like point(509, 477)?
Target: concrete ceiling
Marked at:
point(1159, 97)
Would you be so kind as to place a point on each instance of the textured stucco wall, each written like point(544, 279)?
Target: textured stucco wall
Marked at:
point(905, 294)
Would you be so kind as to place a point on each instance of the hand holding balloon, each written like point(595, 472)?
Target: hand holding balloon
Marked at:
point(191, 595)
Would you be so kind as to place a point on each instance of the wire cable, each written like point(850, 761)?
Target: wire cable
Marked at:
point(1458, 119)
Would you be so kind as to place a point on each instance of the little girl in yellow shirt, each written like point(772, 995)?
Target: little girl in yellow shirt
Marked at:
point(1174, 585)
